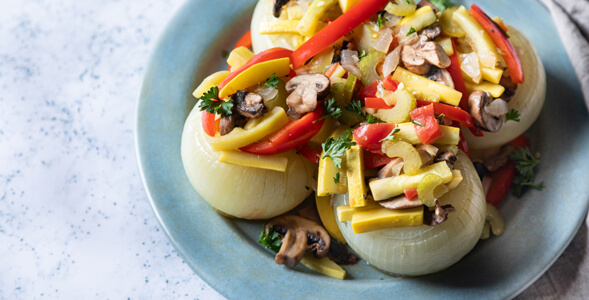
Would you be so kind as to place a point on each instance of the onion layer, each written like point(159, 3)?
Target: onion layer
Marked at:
point(239, 191)
point(528, 99)
point(414, 251)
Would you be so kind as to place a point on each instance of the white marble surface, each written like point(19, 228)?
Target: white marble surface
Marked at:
point(75, 221)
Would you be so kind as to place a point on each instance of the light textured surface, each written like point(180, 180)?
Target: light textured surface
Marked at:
point(74, 219)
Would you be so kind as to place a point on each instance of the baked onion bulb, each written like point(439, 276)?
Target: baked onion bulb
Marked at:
point(528, 99)
point(261, 42)
point(239, 191)
point(413, 251)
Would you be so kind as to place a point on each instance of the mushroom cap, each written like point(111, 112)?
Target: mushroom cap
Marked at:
point(477, 101)
point(305, 90)
point(300, 235)
point(413, 61)
point(400, 202)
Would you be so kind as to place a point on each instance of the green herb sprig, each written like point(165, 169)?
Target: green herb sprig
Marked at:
point(271, 241)
point(525, 162)
point(336, 148)
point(331, 110)
point(272, 81)
point(512, 115)
point(391, 135)
point(211, 103)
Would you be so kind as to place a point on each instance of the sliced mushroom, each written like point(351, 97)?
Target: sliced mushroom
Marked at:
point(393, 168)
point(277, 8)
point(433, 31)
point(438, 215)
point(226, 124)
point(426, 153)
point(304, 91)
point(509, 86)
point(423, 3)
point(448, 157)
point(419, 56)
point(441, 76)
point(498, 160)
point(339, 253)
point(299, 236)
point(477, 101)
point(400, 202)
point(249, 104)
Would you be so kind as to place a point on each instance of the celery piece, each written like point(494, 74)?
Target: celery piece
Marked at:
point(430, 187)
point(367, 66)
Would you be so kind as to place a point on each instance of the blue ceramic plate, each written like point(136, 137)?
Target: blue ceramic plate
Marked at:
point(224, 252)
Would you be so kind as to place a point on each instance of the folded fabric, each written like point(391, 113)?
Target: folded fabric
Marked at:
point(572, 22)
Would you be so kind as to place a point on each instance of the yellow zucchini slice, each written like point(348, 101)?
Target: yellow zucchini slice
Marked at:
point(268, 162)
point(384, 218)
point(389, 187)
point(420, 83)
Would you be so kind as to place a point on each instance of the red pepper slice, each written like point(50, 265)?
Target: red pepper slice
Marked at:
point(389, 84)
point(410, 194)
point(369, 136)
point(375, 160)
point(336, 29)
point(208, 123)
point(245, 40)
point(270, 54)
point(430, 131)
point(450, 112)
point(462, 145)
point(376, 103)
point(502, 179)
point(293, 135)
point(456, 74)
point(309, 153)
point(369, 91)
point(508, 52)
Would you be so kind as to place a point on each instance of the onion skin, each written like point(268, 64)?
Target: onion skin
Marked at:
point(239, 191)
point(528, 99)
point(414, 251)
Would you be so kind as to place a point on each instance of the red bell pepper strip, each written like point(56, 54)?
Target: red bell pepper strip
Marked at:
point(462, 145)
point(375, 160)
point(456, 74)
point(389, 84)
point(369, 136)
point(293, 135)
point(508, 52)
point(369, 91)
point(245, 40)
point(208, 123)
point(410, 194)
point(376, 103)
point(430, 131)
point(450, 112)
point(309, 153)
point(270, 54)
point(502, 179)
point(336, 29)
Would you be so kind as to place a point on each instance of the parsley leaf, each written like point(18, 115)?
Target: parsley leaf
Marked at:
point(442, 5)
point(356, 107)
point(441, 117)
point(335, 149)
point(363, 54)
point(525, 162)
point(512, 115)
point(408, 1)
point(211, 103)
point(331, 110)
point(272, 81)
point(411, 30)
point(417, 123)
point(336, 178)
point(272, 241)
point(391, 135)
point(381, 19)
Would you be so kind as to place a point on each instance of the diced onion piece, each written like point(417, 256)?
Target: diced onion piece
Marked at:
point(391, 62)
point(384, 40)
point(349, 57)
point(413, 251)
point(353, 70)
point(497, 108)
point(267, 92)
point(471, 67)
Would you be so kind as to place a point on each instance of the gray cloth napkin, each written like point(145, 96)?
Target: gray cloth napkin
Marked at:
point(572, 22)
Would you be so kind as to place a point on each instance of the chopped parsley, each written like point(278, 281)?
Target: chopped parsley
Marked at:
point(441, 117)
point(381, 19)
point(335, 149)
point(272, 241)
point(525, 162)
point(512, 115)
point(391, 135)
point(417, 123)
point(331, 110)
point(355, 107)
point(362, 55)
point(442, 5)
point(336, 178)
point(408, 1)
point(211, 103)
point(272, 81)
point(411, 30)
